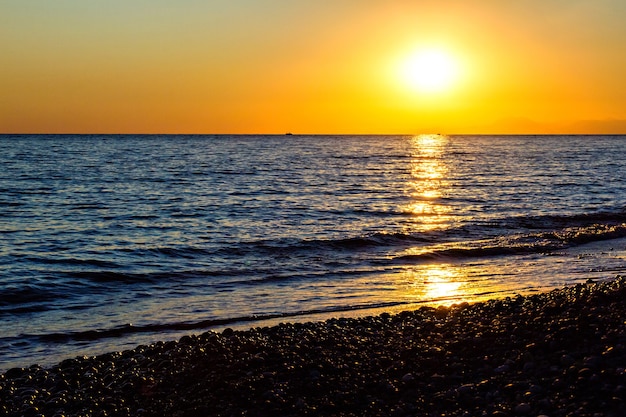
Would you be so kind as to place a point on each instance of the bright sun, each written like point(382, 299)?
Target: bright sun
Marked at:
point(429, 70)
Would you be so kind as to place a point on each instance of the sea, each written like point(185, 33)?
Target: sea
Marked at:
point(108, 242)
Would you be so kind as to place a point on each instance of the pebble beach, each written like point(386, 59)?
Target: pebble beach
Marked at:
point(559, 353)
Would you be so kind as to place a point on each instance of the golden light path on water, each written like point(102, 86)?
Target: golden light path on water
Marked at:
point(428, 182)
point(440, 282)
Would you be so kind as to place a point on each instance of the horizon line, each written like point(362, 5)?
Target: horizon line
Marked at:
point(303, 134)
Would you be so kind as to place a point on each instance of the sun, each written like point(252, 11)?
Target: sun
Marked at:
point(430, 70)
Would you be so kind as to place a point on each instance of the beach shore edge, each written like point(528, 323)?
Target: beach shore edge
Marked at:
point(558, 353)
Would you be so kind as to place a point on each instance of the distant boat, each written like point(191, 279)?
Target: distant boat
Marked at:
point(288, 134)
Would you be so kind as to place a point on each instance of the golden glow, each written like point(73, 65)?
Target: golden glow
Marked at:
point(251, 66)
point(440, 283)
point(429, 181)
point(443, 284)
point(430, 70)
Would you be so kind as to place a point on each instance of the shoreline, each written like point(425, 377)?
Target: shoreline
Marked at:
point(558, 353)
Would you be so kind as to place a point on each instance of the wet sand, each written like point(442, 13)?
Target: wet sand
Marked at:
point(560, 353)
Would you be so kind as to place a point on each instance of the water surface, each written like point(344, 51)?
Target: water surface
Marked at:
point(111, 241)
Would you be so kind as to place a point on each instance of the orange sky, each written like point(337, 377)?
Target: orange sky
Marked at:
point(272, 66)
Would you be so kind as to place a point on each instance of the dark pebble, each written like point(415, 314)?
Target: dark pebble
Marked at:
point(556, 354)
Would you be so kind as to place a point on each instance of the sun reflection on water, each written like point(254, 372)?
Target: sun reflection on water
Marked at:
point(428, 182)
point(441, 283)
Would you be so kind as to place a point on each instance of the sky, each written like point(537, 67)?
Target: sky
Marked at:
point(313, 66)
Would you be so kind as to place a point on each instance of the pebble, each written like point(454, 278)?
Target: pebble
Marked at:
point(502, 369)
point(523, 409)
point(567, 360)
point(408, 378)
point(497, 358)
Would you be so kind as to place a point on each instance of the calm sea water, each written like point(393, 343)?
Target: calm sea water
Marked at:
point(107, 242)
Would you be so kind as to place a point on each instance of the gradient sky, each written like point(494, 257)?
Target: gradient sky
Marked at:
point(272, 66)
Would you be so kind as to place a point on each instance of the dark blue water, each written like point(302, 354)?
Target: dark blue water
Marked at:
point(111, 241)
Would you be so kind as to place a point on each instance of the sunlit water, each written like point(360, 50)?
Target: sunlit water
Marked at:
point(107, 242)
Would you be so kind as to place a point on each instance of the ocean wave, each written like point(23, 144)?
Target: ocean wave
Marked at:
point(125, 330)
point(373, 240)
point(507, 235)
point(543, 242)
point(24, 294)
point(577, 228)
point(221, 322)
point(29, 298)
point(51, 260)
point(557, 221)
